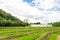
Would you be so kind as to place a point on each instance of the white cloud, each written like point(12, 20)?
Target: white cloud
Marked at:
point(22, 10)
point(54, 16)
point(47, 4)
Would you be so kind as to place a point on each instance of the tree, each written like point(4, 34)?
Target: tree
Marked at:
point(37, 23)
point(57, 24)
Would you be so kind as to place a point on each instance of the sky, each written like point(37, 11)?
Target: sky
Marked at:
point(43, 11)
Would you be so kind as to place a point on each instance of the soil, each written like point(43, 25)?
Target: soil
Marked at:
point(58, 37)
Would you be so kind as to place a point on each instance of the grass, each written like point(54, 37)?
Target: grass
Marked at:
point(8, 31)
point(11, 33)
point(31, 37)
point(53, 37)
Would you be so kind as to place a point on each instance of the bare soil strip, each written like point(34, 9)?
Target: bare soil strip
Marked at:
point(58, 37)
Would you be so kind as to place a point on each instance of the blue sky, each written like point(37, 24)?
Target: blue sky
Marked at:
point(36, 10)
point(28, 1)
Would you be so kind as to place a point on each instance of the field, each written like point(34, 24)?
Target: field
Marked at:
point(29, 33)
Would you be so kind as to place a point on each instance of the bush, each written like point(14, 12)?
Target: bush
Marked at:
point(57, 24)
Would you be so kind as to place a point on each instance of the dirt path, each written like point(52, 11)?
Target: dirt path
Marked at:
point(58, 37)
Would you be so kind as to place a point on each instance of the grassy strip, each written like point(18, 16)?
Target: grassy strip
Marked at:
point(30, 37)
point(53, 37)
point(12, 31)
point(42, 36)
point(8, 34)
point(16, 33)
